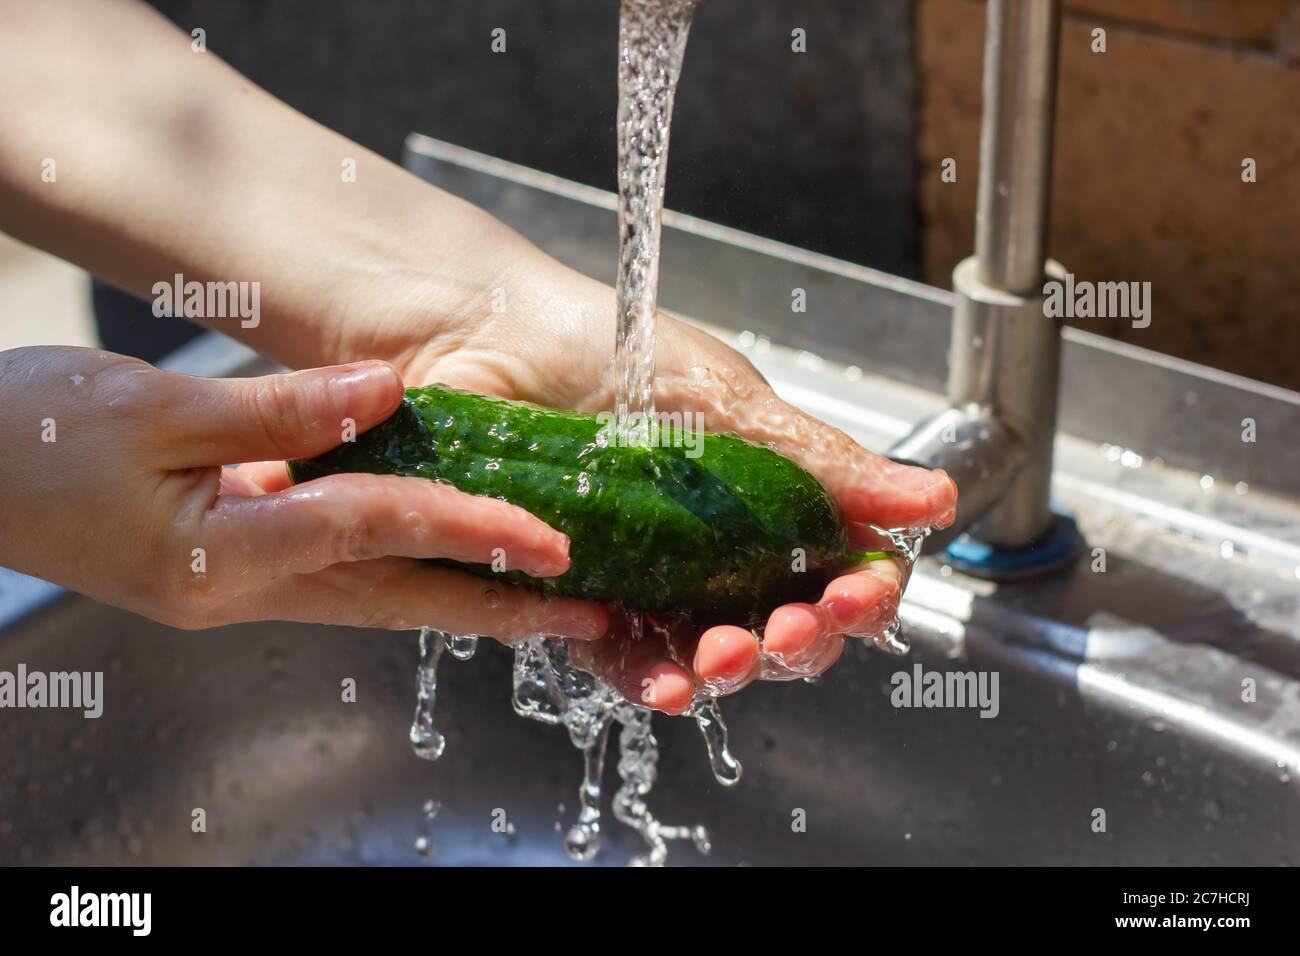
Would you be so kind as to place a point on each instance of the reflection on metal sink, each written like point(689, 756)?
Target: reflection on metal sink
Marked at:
point(1148, 706)
point(247, 723)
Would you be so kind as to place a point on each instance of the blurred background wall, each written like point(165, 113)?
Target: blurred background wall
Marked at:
point(839, 149)
point(1150, 138)
point(809, 148)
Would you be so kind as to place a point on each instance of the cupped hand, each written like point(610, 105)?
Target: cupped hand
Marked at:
point(546, 335)
point(113, 485)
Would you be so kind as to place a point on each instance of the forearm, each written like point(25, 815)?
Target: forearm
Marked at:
point(167, 161)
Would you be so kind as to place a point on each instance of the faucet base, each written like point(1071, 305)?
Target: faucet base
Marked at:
point(1054, 551)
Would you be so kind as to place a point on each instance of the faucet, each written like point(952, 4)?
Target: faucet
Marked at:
point(996, 437)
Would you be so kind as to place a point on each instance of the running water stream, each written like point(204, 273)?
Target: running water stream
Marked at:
point(651, 46)
point(547, 687)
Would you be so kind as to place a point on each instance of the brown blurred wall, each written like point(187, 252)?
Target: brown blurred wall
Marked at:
point(1147, 186)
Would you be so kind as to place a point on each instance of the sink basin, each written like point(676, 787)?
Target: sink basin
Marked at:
point(247, 723)
point(1148, 701)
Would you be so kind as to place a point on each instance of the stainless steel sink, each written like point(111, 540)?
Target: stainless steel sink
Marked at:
point(1120, 690)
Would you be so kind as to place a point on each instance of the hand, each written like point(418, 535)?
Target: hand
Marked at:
point(113, 485)
point(552, 344)
point(381, 266)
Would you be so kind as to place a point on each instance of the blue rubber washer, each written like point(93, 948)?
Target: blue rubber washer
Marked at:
point(1055, 549)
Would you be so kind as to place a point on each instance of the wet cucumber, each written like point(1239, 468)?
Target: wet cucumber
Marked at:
point(651, 528)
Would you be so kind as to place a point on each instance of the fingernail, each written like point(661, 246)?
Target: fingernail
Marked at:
point(672, 693)
point(852, 606)
point(920, 480)
point(843, 610)
point(725, 654)
point(543, 564)
point(549, 558)
point(367, 387)
point(792, 631)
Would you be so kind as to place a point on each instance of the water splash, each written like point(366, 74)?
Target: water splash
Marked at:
point(552, 690)
point(582, 842)
point(426, 740)
point(533, 696)
point(638, 767)
point(907, 542)
point(549, 688)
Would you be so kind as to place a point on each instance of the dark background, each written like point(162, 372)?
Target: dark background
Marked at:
point(813, 149)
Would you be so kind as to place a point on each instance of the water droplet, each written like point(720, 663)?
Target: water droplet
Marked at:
point(462, 646)
point(726, 768)
point(583, 839)
point(81, 386)
point(891, 640)
point(426, 740)
point(581, 842)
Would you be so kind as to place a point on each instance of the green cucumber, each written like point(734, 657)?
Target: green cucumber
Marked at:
point(651, 528)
